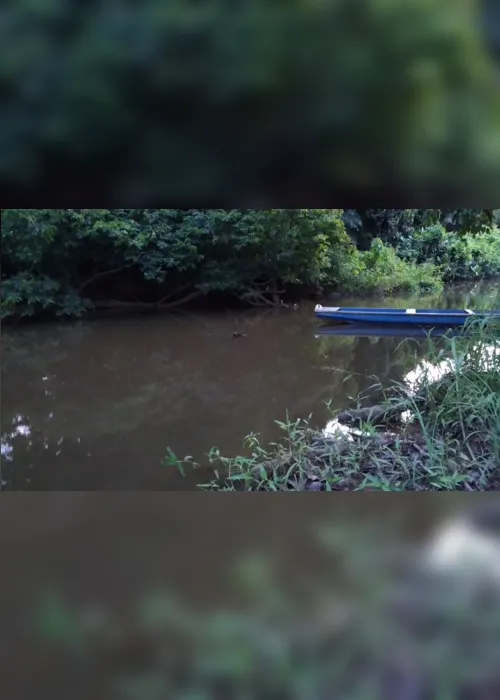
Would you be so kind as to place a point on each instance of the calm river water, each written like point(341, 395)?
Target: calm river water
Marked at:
point(94, 405)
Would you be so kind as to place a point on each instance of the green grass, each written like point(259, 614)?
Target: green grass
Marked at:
point(441, 432)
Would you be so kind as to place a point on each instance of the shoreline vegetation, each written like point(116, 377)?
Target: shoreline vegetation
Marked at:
point(440, 433)
point(77, 262)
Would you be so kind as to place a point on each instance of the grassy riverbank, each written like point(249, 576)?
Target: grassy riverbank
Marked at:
point(439, 431)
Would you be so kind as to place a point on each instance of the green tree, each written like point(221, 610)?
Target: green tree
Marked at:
point(61, 259)
point(396, 226)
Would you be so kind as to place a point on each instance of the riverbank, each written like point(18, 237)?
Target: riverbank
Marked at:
point(439, 431)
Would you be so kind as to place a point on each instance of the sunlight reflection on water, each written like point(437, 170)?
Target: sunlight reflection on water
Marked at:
point(18, 429)
point(488, 359)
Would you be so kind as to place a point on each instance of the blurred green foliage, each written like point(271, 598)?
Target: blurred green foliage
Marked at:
point(375, 624)
point(246, 102)
point(491, 25)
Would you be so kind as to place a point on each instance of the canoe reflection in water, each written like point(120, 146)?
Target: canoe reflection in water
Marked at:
point(380, 330)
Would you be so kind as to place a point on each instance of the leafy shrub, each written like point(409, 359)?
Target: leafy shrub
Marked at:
point(24, 295)
point(397, 226)
point(473, 257)
point(379, 269)
point(427, 244)
point(467, 256)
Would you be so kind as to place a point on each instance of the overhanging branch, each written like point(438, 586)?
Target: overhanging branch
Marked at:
point(104, 274)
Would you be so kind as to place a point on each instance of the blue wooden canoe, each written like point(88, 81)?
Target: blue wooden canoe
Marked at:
point(420, 317)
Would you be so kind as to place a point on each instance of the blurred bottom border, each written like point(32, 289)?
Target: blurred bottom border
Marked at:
point(187, 596)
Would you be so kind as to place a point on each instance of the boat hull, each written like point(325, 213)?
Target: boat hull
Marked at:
point(419, 317)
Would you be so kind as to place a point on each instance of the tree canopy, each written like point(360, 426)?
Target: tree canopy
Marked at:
point(55, 258)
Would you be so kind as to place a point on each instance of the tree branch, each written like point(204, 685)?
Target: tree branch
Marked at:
point(103, 274)
point(179, 302)
point(256, 298)
point(116, 304)
point(175, 292)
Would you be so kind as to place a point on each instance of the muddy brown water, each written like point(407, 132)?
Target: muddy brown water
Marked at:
point(95, 405)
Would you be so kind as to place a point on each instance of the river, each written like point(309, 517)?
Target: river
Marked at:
point(95, 405)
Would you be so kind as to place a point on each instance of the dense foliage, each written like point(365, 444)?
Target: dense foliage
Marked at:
point(251, 103)
point(396, 225)
point(463, 243)
point(61, 258)
point(458, 257)
point(65, 261)
point(379, 269)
